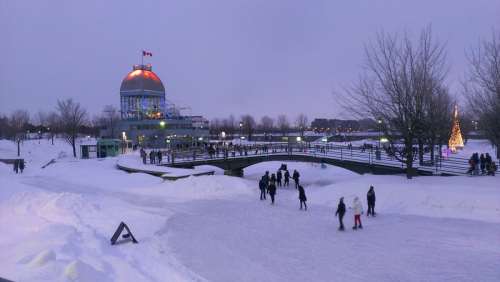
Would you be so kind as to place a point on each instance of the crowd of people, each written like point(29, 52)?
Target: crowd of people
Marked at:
point(155, 157)
point(481, 165)
point(268, 184)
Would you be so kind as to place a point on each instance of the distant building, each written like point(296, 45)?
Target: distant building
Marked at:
point(144, 117)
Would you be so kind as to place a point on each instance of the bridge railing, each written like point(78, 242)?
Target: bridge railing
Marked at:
point(450, 165)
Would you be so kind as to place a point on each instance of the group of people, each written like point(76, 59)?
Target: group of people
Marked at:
point(19, 165)
point(358, 209)
point(269, 183)
point(155, 157)
point(481, 164)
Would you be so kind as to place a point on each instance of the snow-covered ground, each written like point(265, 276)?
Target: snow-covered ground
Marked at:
point(55, 225)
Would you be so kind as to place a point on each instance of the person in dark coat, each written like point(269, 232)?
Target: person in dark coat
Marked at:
point(279, 176)
point(21, 165)
point(272, 191)
point(287, 178)
point(273, 178)
point(151, 157)
point(266, 178)
point(482, 163)
point(262, 187)
point(340, 213)
point(370, 198)
point(296, 177)
point(302, 197)
point(160, 157)
point(16, 166)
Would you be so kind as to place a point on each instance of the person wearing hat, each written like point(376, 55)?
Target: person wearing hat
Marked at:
point(340, 213)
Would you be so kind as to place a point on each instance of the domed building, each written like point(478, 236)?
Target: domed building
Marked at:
point(142, 95)
point(145, 118)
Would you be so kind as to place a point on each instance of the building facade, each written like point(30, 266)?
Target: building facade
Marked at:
point(144, 117)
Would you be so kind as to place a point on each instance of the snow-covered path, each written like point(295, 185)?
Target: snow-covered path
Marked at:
point(253, 241)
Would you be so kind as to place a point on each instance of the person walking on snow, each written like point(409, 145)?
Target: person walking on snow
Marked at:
point(272, 191)
point(358, 211)
point(302, 197)
point(287, 178)
point(21, 165)
point(279, 176)
point(340, 213)
point(273, 178)
point(266, 178)
point(16, 166)
point(370, 198)
point(262, 187)
point(296, 177)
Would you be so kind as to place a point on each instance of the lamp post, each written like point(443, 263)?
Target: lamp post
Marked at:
point(241, 130)
point(379, 121)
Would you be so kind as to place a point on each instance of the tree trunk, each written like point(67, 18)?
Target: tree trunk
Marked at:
point(18, 147)
point(420, 152)
point(409, 159)
point(73, 141)
point(432, 152)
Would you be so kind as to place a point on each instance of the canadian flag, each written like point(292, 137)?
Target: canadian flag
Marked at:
point(146, 53)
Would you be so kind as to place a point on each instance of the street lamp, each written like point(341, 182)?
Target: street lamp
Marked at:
point(379, 121)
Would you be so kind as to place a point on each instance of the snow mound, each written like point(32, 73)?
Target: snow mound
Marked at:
point(208, 187)
point(82, 272)
point(43, 258)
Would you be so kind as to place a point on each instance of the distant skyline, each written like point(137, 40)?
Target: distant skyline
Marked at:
point(216, 57)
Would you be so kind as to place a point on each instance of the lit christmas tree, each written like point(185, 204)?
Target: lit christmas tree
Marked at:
point(456, 142)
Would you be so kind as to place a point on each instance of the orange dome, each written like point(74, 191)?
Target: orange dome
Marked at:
point(142, 78)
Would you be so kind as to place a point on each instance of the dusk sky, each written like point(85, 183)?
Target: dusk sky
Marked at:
point(218, 57)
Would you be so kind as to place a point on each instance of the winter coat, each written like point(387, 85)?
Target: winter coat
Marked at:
point(279, 175)
point(287, 175)
point(273, 178)
point(340, 209)
point(370, 197)
point(296, 175)
point(21, 164)
point(266, 179)
point(262, 184)
point(272, 189)
point(357, 206)
point(302, 194)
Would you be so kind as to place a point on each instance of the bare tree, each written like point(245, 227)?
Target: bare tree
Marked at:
point(283, 124)
point(110, 119)
point(71, 119)
point(482, 88)
point(41, 118)
point(18, 121)
point(400, 76)
point(248, 125)
point(438, 119)
point(302, 122)
point(229, 125)
point(267, 123)
point(5, 129)
point(52, 125)
point(215, 126)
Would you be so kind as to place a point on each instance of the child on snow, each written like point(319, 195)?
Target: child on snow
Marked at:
point(358, 210)
point(340, 213)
